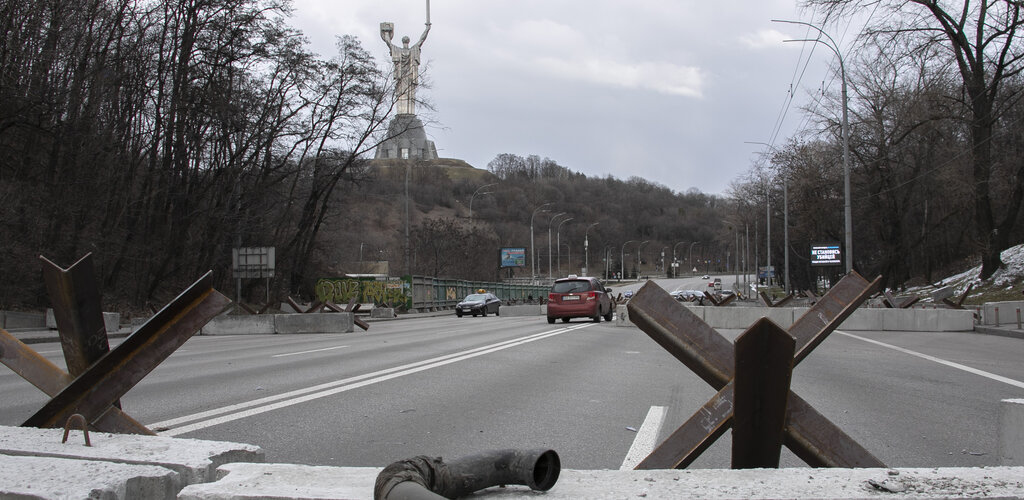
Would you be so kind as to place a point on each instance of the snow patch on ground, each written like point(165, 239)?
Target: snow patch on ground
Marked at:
point(1012, 273)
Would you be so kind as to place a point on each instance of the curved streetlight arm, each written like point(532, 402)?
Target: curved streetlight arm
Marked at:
point(475, 193)
point(847, 204)
point(533, 255)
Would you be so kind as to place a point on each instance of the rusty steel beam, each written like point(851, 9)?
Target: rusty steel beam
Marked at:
point(50, 379)
point(78, 312)
point(32, 367)
point(785, 300)
point(819, 442)
point(683, 334)
point(830, 311)
point(352, 307)
point(114, 374)
point(764, 367)
point(711, 356)
point(697, 434)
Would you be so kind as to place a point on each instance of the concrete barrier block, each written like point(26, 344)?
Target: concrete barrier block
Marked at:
point(622, 316)
point(313, 323)
point(382, 312)
point(521, 310)
point(1011, 432)
point(864, 319)
point(17, 319)
point(943, 293)
point(897, 320)
point(926, 320)
point(38, 478)
point(782, 316)
point(299, 482)
point(112, 321)
point(1001, 313)
point(955, 320)
point(194, 460)
point(261, 324)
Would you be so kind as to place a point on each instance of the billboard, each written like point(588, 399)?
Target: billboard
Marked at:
point(513, 257)
point(826, 254)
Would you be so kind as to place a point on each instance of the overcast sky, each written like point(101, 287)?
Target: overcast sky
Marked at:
point(667, 90)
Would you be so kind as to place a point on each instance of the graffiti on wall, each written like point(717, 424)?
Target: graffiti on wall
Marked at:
point(392, 291)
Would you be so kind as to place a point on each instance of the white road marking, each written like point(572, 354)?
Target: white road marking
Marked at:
point(968, 369)
point(263, 405)
point(308, 352)
point(645, 439)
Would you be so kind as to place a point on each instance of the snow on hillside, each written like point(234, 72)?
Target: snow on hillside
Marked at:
point(1010, 275)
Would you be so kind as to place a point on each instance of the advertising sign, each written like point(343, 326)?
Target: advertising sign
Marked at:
point(513, 257)
point(252, 262)
point(826, 254)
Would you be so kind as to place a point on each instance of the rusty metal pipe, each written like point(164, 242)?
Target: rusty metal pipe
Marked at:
point(430, 478)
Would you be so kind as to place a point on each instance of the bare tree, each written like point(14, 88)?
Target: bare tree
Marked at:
point(981, 38)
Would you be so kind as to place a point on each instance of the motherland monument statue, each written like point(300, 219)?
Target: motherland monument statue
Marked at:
point(406, 137)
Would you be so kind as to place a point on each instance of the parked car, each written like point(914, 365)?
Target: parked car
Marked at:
point(579, 297)
point(705, 277)
point(479, 303)
point(687, 295)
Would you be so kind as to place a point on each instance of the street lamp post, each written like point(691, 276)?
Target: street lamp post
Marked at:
point(689, 258)
point(586, 249)
point(622, 260)
point(607, 261)
point(638, 247)
point(558, 244)
point(481, 194)
point(533, 255)
point(847, 208)
point(674, 261)
point(663, 260)
point(552, 221)
point(785, 222)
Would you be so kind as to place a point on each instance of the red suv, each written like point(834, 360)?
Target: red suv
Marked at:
point(579, 297)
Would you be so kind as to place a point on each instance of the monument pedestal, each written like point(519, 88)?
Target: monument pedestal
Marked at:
point(406, 140)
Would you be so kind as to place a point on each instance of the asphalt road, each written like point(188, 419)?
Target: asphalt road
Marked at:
point(448, 387)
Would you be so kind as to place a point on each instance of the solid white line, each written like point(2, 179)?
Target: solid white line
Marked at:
point(307, 352)
point(968, 369)
point(269, 403)
point(645, 439)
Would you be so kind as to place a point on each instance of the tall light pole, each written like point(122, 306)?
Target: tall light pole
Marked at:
point(638, 247)
point(847, 208)
point(785, 223)
point(663, 259)
point(607, 261)
point(533, 255)
point(558, 244)
point(553, 217)
point(689, 258)
point(622, 260)
point(481, 194)
point(586, 249)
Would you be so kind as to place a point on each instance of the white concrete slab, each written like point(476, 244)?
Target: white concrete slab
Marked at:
point(262, 481)
point(60, 478)
point(260, 324)
point(195, 460)
point(1011, 432)
point(285, 481)
point(314, 323)
point(521, 310)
